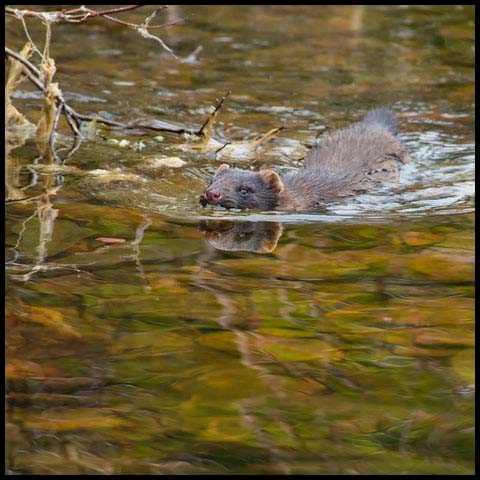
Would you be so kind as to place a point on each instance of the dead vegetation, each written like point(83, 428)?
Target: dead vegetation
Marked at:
point(42, 74)
point(36, 64)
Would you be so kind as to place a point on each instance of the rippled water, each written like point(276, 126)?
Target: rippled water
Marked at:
point(148, 335)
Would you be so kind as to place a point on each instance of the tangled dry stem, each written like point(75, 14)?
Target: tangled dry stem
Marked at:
point(43, 82)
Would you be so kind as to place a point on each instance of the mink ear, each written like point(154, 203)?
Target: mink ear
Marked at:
point(272, 179)
point(221, 168)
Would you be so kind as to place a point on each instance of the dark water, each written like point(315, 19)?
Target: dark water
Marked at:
point(223, 343)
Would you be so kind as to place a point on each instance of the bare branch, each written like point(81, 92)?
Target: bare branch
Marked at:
point(92, 13)
point(16, 56)
point(74, 118)
point(75, 15)
point(55, 125)
point(217, 107)
point(79, 15)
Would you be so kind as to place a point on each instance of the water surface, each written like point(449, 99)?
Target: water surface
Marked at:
point(147, 335)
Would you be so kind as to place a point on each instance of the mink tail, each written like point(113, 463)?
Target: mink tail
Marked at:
point(383, 117)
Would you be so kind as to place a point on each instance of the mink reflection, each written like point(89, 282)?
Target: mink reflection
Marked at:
point(235, 236)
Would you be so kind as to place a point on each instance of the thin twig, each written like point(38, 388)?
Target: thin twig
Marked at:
point(222, 147)
point(168, 24)
point(74, 118)
point(79, 15)
point(217, 107)
point(28, 64)
point(142, 30)
point(55, 125)
point(76, 145)
point(27, 33)
point(93, 13)
point(32, 73)
point(69, 15)
point(72, 122)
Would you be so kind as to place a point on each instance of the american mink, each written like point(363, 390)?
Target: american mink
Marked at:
point(342, 164)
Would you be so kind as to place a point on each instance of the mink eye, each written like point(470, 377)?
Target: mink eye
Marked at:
point(244, 191)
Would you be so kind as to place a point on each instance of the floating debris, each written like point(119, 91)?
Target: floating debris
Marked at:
point(161, 161)
point(110, 240)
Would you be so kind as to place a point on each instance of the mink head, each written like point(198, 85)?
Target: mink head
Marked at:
point(242, 189)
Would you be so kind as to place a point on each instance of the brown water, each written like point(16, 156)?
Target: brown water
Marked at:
point(213, 342)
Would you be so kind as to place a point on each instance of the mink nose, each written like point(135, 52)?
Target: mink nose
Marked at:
point(213, 196)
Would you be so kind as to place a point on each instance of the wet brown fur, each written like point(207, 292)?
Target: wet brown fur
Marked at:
point(345, 163)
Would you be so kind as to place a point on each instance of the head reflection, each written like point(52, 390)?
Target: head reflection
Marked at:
point(234, 236)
